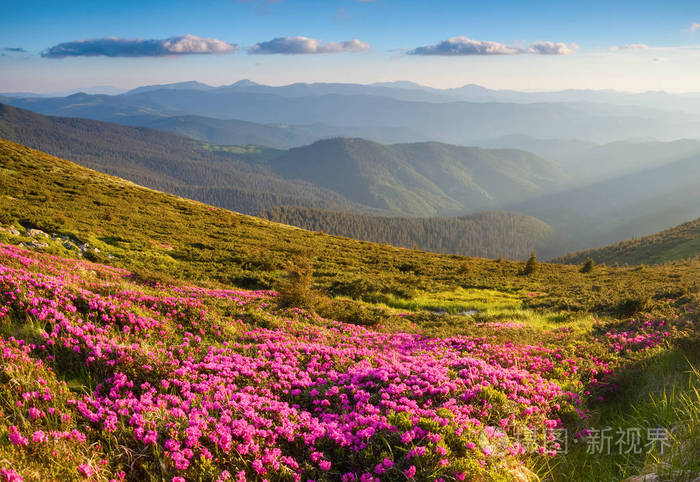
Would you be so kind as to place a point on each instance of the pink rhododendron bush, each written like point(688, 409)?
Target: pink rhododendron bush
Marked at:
point(108, 378)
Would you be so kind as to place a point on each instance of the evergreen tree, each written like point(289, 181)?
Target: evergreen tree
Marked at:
point(297, 291)
point(588, 266)
point(531, 264)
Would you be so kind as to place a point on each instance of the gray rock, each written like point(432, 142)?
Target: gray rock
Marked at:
point(34, 233)
point(10, 230)
point(68, 245)
point(38, 244)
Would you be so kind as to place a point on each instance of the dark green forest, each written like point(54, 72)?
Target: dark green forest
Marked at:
point(490, 234)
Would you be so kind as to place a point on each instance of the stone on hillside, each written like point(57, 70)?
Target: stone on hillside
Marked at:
point(11, 230)
point(34, 233)
point(68, 245)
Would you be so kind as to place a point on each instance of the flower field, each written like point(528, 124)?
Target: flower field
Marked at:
point(109, 377)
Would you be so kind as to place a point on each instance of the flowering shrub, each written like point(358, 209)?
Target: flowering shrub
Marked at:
point(189, 383)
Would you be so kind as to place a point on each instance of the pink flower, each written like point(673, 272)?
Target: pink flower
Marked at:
point(325, 465)
point(9, 475)
point(86, 470)
point(410, 472)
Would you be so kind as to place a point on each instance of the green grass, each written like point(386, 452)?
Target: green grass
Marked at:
point(457, 301)
point(661, 390)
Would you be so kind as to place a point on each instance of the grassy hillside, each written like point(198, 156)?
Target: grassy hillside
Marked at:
point(154, 368)
point(189, 240)
point(493, 234)
point(678, 243)
point(423, 178)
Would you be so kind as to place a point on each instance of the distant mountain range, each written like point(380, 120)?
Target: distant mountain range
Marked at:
point(678, 243)
point(420, 179)
point(392, 112)
point(586, 161)
point(411, 91)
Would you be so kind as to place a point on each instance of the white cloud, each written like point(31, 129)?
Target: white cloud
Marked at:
point(457, 46)
point(123, 47)
point(306, 45)
point(552, 48)
point(466, 46)
point(694, 26)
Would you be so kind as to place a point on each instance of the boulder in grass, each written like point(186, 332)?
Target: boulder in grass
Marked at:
point(11, 230)
point(35, 233)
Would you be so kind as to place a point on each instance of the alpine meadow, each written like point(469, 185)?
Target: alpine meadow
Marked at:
point(353, 240)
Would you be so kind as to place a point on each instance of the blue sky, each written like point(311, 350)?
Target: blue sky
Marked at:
point(666, 57)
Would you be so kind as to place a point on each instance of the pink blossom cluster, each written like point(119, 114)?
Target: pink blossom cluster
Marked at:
point(645, 333)
point(198, 386)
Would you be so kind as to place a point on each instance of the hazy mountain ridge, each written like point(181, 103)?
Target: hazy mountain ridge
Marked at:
point(456, 121)
point(590, 161)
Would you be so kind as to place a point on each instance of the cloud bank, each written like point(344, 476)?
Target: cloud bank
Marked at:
point(465, 46)
point(305, 45)
point(123, 47)
point(13, 49)
point(552, 48)
point(457, 46)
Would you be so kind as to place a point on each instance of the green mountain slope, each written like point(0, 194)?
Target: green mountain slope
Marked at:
point(423, 178)
point(145, 230)
point(349, 174)
point(678, 243)
point(165, 161)
point(490, 234)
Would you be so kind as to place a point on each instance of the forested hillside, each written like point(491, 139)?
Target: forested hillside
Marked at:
point(424, 179)
point(494, 234)
point(680, 242)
